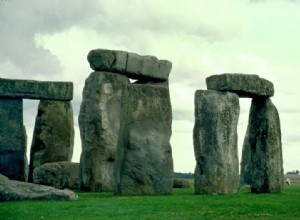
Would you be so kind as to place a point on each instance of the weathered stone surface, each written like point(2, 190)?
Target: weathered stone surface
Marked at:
point(13, 160)
point(129, 64)
point(15, 190)
point(108, 60)
point(246, 164)
point(262, 151)
point(144, 163)
point(32, 89)
point(245, 85)
point(215, 142)
point(2, 177)
point(181, 183)
point(59, 175)
point(99, 122)
point(53, 137)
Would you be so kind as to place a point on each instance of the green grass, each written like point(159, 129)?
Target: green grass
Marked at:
point(182, 204)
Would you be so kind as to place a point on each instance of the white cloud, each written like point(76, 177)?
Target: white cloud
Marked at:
point(49, 40)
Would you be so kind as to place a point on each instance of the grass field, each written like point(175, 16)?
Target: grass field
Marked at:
point(182, 204)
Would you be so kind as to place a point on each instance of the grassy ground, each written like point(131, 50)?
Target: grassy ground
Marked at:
point(182, 204)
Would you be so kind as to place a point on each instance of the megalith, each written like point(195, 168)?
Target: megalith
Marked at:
point(262, 165)
point(99, 123)
point(130, 64)
point(144, 163)
point(126, 127)
point(33, 89)
point(53, 136)
point(11, 190)
point(245, 85)
point(13, 160)
point(215, 142)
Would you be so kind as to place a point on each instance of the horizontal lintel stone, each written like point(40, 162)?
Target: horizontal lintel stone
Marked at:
point(130, 64)
point(245, 85)
point(32, 89)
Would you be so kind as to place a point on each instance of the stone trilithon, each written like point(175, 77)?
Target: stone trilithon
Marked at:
point(126, 127)
point(215, 137)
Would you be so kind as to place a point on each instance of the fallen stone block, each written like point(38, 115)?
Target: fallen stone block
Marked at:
point(53, 136)
point(181, 183)
point(59, 175)
point(11, 190)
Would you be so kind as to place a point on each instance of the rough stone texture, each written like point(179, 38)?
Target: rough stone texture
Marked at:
point(32, 89)
point(108, 60)
point(130, 64)
point(53, 137)
point(215, 142)
point(11, 190)
point(262, 166)
point(144, 163)
point(59, 175)
point(2, 177)
point(245, 85)
point(181, 183)
point(246, 164)
point(13, 160)
point(99, 122)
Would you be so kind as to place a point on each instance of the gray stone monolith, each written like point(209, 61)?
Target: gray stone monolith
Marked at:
point(245, 85)
point(58, 174)
point(99, 122)
point(13, 160)
point(144, 164)
point(53, 137)
point(215, 142)
point(262, 165)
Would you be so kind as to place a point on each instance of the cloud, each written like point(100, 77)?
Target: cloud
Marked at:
point(49, 40)
point(20, 21)
point(267, 1)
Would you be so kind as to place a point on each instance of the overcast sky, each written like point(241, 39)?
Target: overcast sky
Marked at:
point(49, 40)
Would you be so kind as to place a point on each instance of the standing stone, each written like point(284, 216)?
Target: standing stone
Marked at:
point(13, 160)
point(144, 163)
point(99, 122)
point(215, 142)
point(262, 162)
point(53, 137)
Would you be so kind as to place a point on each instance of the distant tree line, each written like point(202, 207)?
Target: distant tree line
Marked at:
point(184, 175)
point(293, 172)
